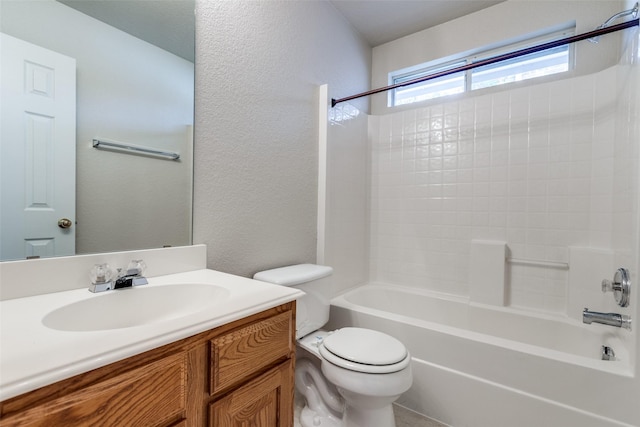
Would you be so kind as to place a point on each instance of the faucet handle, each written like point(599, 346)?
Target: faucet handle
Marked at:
point(136, 267)
point(101, 276)
point(620, 286)
point(101, 273)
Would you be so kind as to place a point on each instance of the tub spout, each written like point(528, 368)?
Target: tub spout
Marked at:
point(611, 319)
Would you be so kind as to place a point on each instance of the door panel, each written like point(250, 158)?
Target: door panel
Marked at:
point(37, 151)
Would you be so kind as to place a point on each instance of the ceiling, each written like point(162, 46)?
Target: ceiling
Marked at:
point(381, 21)
point(378, 21)
point(168, 24)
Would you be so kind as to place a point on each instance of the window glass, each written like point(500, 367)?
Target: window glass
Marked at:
point(538, 64)
point(530, 66)
point(441, 86)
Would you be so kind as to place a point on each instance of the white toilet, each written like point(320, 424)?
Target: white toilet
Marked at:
point(368, 369)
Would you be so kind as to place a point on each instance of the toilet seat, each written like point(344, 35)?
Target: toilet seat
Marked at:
point(365, 350)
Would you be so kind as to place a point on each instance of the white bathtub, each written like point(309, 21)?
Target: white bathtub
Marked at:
point(478, 366)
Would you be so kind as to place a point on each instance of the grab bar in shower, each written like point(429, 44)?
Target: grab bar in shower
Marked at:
point(100, 143)
point(538, 263)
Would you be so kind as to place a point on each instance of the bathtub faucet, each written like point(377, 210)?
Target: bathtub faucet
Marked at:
point(611, 319)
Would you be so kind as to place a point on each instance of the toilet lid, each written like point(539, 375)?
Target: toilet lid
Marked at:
point(350, 347)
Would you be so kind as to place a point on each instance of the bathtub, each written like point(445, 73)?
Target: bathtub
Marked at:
point(476, 365)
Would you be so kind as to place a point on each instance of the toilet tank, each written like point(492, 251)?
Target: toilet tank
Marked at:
point(312, 310)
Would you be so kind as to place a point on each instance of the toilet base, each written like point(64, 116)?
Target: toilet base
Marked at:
point(353, 417)
point(310, 418)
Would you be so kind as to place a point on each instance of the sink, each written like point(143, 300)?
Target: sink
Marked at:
point(136, 306)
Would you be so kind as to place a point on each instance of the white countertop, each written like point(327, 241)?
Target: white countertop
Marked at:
point(33, 355)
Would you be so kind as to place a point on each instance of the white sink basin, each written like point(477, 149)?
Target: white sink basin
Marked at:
point(136, 306)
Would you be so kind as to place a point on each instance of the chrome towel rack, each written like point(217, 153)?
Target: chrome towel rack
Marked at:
point(100, 144)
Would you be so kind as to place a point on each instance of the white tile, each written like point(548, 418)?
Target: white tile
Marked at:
point(533, 166)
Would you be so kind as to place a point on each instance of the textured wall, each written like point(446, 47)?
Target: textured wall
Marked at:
point(258, 68)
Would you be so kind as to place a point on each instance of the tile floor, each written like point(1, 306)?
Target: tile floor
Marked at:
point(408, 418)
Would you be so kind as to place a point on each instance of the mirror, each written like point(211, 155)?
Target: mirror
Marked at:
point(127, 90)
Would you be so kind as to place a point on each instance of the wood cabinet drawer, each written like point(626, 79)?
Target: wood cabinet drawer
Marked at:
point(239, 354)
point(152, 395)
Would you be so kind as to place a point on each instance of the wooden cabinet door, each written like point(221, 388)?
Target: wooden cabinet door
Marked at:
point(266, 401)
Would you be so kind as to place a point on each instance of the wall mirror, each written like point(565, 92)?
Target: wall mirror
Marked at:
point(124, 69)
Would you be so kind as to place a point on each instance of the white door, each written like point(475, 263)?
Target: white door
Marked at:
point(37, 151)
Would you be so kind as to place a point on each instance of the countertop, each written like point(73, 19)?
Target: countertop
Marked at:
point(33, 355)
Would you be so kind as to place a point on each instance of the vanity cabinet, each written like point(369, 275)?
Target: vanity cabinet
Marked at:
point(241, 373)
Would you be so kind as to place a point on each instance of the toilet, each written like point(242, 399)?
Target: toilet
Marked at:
point(348, 377)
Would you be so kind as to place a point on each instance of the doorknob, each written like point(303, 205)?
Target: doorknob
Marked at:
point(65, 223)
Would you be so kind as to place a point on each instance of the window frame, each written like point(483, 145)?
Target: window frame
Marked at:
point(431, 67)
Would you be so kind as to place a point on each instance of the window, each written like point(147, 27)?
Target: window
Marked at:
point(538, 64)
point(442, 86)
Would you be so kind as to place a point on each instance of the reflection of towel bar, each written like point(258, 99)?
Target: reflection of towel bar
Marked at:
point(97, 143)
point(539, 263)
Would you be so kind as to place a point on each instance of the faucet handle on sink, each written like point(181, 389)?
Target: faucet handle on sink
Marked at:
point(101, 276)
point(136, 267)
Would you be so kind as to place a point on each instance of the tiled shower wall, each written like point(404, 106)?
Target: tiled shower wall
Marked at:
point(532, 167)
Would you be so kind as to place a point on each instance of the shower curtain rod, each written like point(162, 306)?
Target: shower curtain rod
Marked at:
point(499, 58)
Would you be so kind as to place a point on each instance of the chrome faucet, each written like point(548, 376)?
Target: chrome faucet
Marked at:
point(133, 276)
point(611, 319)
point(102, 276)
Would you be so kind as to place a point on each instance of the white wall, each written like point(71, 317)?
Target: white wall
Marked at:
point(258, 70)
point(347, 202)
point(129, 91)
point(494, 25)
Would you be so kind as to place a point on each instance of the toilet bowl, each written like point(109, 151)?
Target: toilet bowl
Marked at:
point(349, 377)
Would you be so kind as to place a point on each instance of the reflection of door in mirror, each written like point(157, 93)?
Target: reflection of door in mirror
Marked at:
point(38, 151)
point(127, 90)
